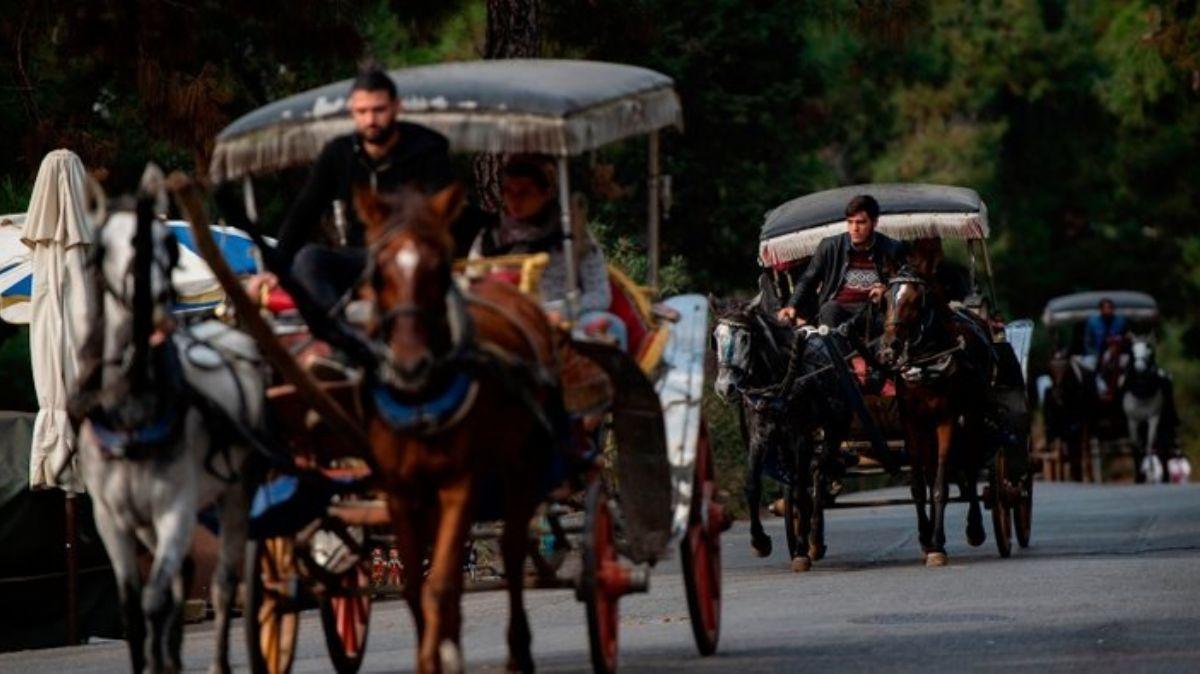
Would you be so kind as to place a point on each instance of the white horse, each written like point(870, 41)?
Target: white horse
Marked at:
point(153, 453)
point(1143, 402)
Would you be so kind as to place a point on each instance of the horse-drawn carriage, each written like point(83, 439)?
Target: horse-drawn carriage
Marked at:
point(1102, 388)
point(874, 437)
point(317, 517)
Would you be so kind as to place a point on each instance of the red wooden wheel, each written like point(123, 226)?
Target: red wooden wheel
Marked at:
point(346, 617)
point(700, 552)
point(604, 579)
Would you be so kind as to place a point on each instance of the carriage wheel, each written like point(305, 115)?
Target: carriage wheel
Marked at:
point(601, 579)
point(700, 552)
point(1023, 512)
point(1001, 515)
point(346, 617)
point(270, 616)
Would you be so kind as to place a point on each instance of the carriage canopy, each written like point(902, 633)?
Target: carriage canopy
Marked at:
point(558, 107)
point(793, 230)
point(1078, 307)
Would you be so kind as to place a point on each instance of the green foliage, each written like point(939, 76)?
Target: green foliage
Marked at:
point(14, 195)
point(18, 392)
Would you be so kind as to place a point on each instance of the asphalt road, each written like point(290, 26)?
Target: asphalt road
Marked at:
point(1109, 584)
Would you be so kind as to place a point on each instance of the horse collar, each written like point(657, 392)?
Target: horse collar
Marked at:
point(430, 416)
point(134, 443)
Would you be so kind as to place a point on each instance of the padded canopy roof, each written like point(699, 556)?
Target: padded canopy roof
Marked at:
point(907, 211)
point(1077, 307)
point(557, 107)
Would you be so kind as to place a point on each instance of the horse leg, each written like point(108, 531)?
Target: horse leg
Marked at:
point(945, 434)
point(162, 598)
point(441, 596)
point(513, 546)
point(407, 527)
point(801, 561)
point(759, 540)
point(976, 534)
point(121, 546)
point(918, 488)
point(816, 536)
point(1139, 452)
point(1151, 450)
point(233, 508)
point(1074, 442)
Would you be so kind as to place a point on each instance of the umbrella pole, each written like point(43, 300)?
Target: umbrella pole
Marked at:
point(72, 551)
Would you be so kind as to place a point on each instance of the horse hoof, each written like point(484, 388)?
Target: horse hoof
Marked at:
point(762, 546)
point(935, 559)
point(513, 667)
point(801, 564)
point(976, 537)
point(450, 656)
point(816, 552)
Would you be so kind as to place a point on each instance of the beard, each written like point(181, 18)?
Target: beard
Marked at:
point(378, 135)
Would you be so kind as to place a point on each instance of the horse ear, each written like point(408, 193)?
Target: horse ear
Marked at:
point(446, 204)
point(373, 212)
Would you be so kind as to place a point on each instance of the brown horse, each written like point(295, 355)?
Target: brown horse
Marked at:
point(459, 394)
point(942, 362)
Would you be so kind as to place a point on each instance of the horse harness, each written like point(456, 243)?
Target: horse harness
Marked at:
point(937, 351)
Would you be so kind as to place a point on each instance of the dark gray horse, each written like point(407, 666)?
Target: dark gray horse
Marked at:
point(793, 417)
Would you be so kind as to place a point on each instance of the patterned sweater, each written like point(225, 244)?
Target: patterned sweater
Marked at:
point(859, 278)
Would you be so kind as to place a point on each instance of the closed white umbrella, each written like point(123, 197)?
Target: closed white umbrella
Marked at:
point(58, 232)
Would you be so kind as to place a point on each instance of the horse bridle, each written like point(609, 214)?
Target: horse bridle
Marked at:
point(924, 325)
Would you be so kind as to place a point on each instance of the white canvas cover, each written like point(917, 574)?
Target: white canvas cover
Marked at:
point(15, 270)
point(58, 233)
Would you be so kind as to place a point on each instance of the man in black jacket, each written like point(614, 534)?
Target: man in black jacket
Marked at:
point(848, 270)
point(382, 155)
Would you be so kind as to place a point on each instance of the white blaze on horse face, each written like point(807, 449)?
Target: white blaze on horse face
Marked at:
point(733, 357)
point(407, 259)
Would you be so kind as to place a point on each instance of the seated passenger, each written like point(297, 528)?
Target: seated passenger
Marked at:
point(531, 222)
point(1104, 345)
point(1103, 326)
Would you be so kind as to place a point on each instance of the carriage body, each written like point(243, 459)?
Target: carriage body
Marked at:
point(789, 237)
point(660, 489)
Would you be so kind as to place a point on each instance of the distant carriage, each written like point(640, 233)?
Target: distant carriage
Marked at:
point(930, 214)
point(1100, 429)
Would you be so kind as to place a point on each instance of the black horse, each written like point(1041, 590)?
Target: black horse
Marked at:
point(1065, 410)
point(793, 414)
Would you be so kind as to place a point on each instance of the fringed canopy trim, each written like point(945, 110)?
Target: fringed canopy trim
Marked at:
point(783, 250)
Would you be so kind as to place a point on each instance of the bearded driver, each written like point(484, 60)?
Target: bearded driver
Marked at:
point(848, 270)
point(382, 155)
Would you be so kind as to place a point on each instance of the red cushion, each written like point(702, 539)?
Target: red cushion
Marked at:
point(278, 301)
point(508, 275)
point(626, 310)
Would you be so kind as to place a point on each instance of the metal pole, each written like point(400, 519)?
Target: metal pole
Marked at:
point(653, 213)
point(248, 197)
point(564, 207)
point(72, 571)
point(987, 266)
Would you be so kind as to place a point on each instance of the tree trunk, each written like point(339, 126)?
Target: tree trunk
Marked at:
point(512, 32)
